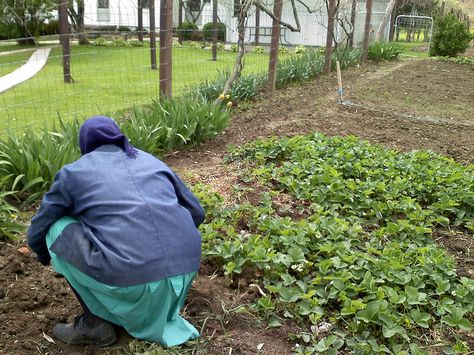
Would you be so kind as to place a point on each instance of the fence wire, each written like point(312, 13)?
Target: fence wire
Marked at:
point(113, 72)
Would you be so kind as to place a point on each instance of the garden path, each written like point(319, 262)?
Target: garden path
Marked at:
point(26, 71)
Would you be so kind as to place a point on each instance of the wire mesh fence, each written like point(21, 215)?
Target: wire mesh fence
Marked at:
point(112, 53)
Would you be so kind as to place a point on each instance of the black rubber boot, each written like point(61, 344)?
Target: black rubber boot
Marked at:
point(79, 333)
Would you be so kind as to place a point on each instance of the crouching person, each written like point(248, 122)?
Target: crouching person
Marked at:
point(122, 229)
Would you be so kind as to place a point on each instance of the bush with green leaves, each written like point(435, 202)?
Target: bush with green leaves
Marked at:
point(300, 49)
point(9, 227)
point(246, 87)
point(187, 29)
point(257, 49)
point(299, 68)
point(30, 161)
point(135, 43)
point(208, 29)
point(458, 60)
point(100, 42)
point(119, 42)
point(170, 124)
point(379, 51)
point(340, 233)
point(450, 36)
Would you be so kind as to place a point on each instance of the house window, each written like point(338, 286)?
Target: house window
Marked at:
point(145, 4)
point(103, 11)
point(103, 4)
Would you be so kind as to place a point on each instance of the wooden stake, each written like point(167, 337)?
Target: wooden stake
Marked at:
point(339, 81)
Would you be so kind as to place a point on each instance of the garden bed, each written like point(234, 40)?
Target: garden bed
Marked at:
point(33, 299)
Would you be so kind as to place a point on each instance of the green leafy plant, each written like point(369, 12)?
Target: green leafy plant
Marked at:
point(341, 235)
point(450, 36)
point(383, 51)
point(119, 42)
point(299, 68)
point(30, 162)
point(458, 60)
point(244, 88)
point(168, 124)
point(9, 226)
point(208, 29)
point(283, 50)
point(135, 43)
point(100, 42)
point(187, 29)
point(257, 49)
point(300, 49)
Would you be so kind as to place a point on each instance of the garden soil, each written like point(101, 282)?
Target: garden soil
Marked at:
point(405, 105)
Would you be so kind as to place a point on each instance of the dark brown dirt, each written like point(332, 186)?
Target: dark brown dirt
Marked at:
point(33, 299)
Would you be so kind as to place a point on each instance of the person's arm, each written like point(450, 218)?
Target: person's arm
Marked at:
point(56, 204)
point(187, 199)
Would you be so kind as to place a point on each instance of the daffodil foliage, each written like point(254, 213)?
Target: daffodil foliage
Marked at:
point(341, 233)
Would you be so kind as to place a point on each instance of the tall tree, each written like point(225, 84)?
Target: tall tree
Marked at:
point(383, 22)
point(24, 19)
point(76, 10)
point(368, 17)
point(331, 7)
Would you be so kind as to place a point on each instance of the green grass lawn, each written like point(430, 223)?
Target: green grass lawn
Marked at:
point(106, 80)
point(414, 49)
point(10, 62)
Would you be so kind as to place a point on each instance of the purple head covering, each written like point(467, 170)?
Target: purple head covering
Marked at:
point(99, 130)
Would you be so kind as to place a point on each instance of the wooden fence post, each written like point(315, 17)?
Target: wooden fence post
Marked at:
point(64, 40)
point(257, 26)
point(214, 30)
point(166, 46)
point(140, 20)
point(275, 44)
point(151, 8)
point(180, 21)
point(368, 17)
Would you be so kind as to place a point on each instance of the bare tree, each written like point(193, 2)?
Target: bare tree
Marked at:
point(386, 16)
point(242, 16)
point(76, 14)
point(331, 6)
point(368, 17)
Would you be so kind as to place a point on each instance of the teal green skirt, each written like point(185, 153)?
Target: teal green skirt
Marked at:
point(148, 311)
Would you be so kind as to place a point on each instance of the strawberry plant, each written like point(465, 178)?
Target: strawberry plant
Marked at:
point(352, 245)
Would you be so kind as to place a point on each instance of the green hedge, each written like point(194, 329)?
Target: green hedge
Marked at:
point(208, 29)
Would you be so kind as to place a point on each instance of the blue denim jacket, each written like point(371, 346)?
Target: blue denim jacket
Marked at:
point(138, 221)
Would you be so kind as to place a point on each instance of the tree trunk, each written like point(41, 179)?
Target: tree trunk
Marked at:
point(329, 36)
point(83, 40)
point(140, 21)
point(368, 17)
point(274, 45)
point(386, 16)
point(353, 20)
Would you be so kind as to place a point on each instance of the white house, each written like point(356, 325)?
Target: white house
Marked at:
point(312, 18)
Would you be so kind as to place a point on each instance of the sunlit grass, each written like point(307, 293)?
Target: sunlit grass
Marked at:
point(106, 80)
point(10, 62)
point(414, 49)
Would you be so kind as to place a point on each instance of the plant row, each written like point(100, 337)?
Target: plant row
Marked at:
point(340, 237)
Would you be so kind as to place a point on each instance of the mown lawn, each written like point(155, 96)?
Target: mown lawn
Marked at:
point(106, 80)
point(414, 49)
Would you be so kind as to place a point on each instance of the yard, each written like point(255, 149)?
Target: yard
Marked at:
point(237, 301)
point(116, 77)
